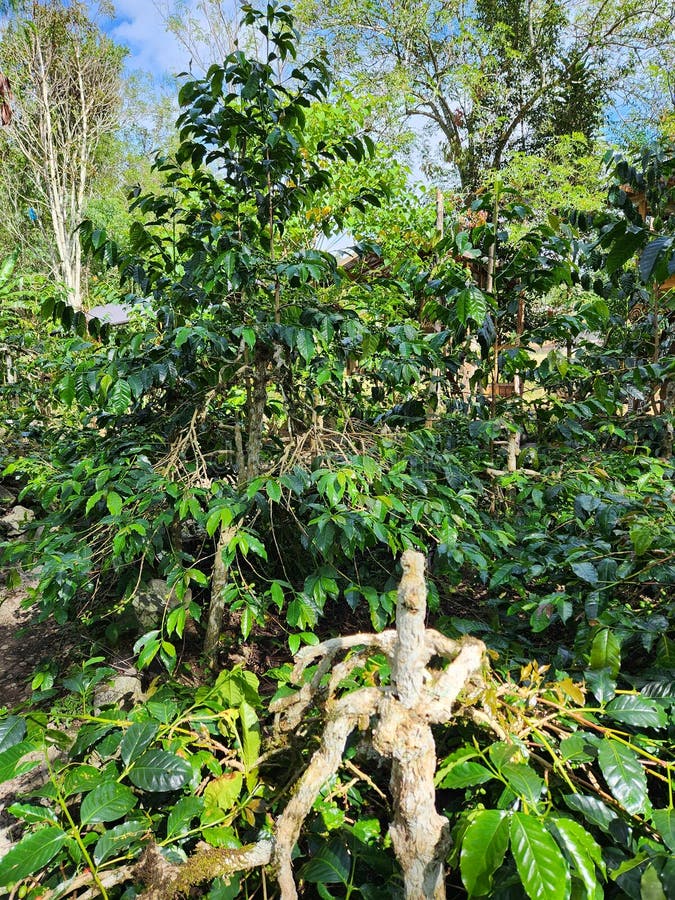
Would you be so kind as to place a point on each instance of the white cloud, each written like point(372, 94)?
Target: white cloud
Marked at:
point(138, 25)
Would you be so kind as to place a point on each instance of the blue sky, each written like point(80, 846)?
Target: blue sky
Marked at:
point(138, 26)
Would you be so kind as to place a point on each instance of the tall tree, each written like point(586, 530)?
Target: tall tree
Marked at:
point(66, 79)
point(494, 75)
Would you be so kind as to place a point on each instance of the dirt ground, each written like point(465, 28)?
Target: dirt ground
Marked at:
point(24, 644)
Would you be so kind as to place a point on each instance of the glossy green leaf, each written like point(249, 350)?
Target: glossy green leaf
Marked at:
point(136, 739)
point(158, 770)
point(11, 763)
point(114, 503)
point(606, 651)
point(523, 781)
point(107, 802)
point(181, 816)
point(624, 775)
point(12, 731)
point(640, 712)
point(483, 847)
point(32, 853)
point(592, 809)
point(650, 885)
point(466, 774)
point(116, 840)
point(582, 849)
point(541, 865)
point(331, 864)
point(664, 822)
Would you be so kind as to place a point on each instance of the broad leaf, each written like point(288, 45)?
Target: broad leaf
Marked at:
point(12, 731)
point(181, 816)
point(593, 810)
point(624, 775)
point(584, 852)
point(33, 852)
point(106, 803)
point(330, 865)
point(664, 822)
point(483, 848)
point(650, 256)
point(113, 842)
point(540, 863)
point(586, 571)
point(138, 737)
point(466, 774)
point(640, 712)
point(10, 760)
point(159, 770)
point(524, 782)
point(221, 794)
point(606, 652)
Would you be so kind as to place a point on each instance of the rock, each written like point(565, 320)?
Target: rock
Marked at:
point(120, 691)
point(152, 601)
point(15, 521)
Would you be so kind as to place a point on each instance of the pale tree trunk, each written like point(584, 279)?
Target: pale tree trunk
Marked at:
point(418, 697)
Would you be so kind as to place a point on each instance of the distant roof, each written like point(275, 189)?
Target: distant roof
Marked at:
point(110, 313)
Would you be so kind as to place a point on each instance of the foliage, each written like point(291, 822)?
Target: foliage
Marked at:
point(272, 430)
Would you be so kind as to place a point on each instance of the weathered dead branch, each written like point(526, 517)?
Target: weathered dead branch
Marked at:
point(400, 716)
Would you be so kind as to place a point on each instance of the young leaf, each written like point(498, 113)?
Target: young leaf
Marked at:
point(181, 816)
point(624, 775)
point(483, 848)
point(540, 863)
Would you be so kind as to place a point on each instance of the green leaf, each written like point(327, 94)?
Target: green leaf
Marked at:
point(330, 865)
point(33, 852)
point(624, 775)
point(273, 490)
point(119, 399)
point(181, 816)
point(586, 571)
point(12, 731)
point(466, 773)
point(250, 736)
point(159, 770)
point(650, 885)
point(664, 822)
point(650, 255)
point(584, 852)
point(606, 652)
point(10, 760)
point(137, 738)
point(523, 781)
point(593, 810)
point(540, 863)
point(642, 537)
point(471, 304)
point(114, 503)
point(112, 842)
point(483, 848)
point(640, 712)
point(107, 802)
point(305, 344)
